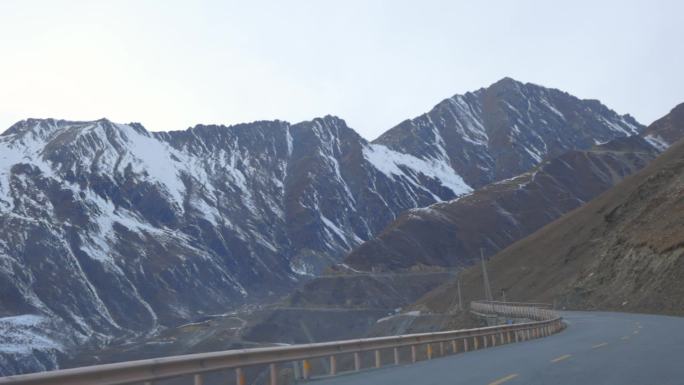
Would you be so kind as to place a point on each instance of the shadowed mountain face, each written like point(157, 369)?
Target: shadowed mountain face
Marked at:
point(112, 231)
point(622, 251)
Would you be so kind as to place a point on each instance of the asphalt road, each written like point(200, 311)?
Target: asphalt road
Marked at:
point(597, 348)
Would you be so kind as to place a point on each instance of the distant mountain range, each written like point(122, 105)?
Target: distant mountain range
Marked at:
point(110, 231)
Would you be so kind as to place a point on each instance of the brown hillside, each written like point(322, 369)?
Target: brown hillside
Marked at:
point(621, 251)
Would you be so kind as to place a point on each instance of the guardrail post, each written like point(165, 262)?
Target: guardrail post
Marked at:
point(357, 361)
point(475, 343)
point(378, 362)
point(493, 339)
point(396, 356)
point(333, 365)
point(274, 374)
point(239, 376)
point(508, 335)
point(429, 351)
point(297, 370)
point(454, 346)
point(413, 353)
point(485, 343)
point(441, 349)
point(465, 344)
point(306, 369)
point(198, 380)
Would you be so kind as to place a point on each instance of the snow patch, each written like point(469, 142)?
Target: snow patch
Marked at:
point(24, 333)
point(657, 142)
point(412, 313)
point(389, 162)
point(552, 108)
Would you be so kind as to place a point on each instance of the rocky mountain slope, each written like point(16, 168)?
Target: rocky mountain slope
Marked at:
point(110, 231)
point(623, 250)
point(451, 234)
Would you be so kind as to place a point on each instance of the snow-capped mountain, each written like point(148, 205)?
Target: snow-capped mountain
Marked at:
point(110, 230)
point(505, 129)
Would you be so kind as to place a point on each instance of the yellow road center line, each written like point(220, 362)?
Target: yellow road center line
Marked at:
point(599, 345)
point(504, 379)
point(561, 358)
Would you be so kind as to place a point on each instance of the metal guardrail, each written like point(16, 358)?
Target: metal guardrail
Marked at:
point(544, 322)
point(540, 305)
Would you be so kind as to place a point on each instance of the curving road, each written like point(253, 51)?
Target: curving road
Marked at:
point(597, 348)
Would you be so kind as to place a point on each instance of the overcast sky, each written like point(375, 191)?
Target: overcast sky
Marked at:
point(173, 64)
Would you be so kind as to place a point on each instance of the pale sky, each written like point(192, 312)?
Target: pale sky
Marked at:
point(173, 64)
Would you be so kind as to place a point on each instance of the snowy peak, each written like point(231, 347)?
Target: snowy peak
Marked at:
point(500, 131)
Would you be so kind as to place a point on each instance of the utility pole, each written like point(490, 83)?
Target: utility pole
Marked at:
point(460, 299)
point(487, 288)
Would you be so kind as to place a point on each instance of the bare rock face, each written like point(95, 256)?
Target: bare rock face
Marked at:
point(110, 231)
